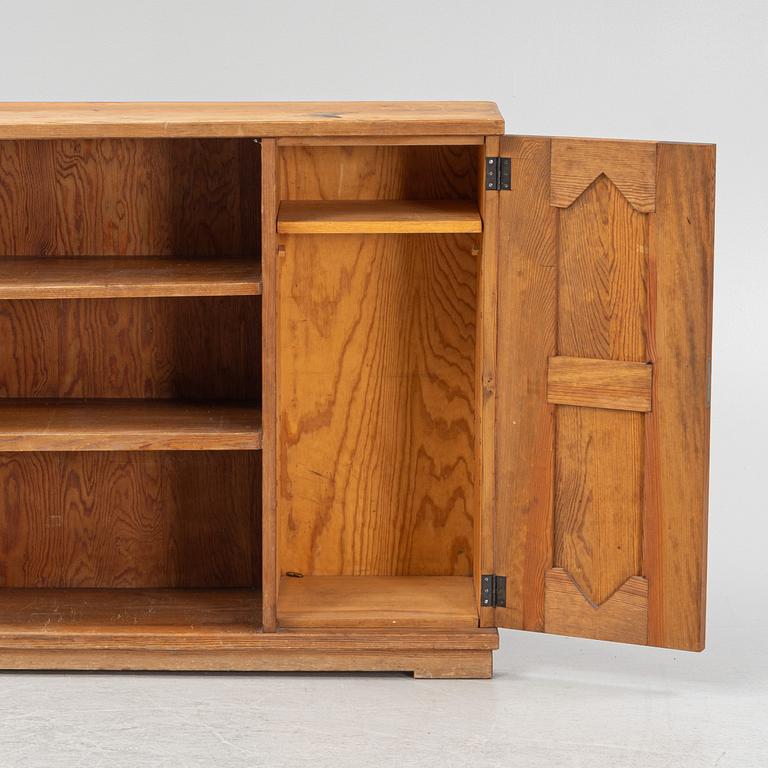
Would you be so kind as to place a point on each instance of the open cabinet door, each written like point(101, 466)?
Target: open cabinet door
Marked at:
point(602, 387)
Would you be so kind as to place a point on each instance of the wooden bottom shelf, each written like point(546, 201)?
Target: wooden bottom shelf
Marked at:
point(214, 630)
point(188, 612)
point(436, 602)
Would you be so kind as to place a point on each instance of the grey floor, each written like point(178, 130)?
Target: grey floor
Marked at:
point(553, 702)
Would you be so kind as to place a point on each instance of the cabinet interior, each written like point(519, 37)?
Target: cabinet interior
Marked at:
point(376, 385)
point(130, 383)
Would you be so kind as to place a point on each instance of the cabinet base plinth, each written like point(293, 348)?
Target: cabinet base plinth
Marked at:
point(466, 654)
point(423, 664)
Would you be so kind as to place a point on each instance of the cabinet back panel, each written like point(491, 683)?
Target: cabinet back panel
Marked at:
point(376, 382)
point(378, 173)
point(134, 519)
point(146, 348)
point(129, 197)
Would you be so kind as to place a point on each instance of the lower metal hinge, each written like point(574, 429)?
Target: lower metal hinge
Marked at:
point(493, 591)
point(498, 173)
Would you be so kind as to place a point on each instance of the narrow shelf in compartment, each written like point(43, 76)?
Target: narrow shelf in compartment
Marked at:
point(425, 602)
point(183, 613)
point(128, 425)
point(107, 277)
point(378, 216)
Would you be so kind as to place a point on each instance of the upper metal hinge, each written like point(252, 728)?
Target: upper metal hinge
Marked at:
point(498, 173)
point(493, 591)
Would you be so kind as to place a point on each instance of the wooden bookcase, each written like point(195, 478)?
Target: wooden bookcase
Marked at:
point(345, 386)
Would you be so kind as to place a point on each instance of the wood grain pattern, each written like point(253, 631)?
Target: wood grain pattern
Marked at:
point(126, 197)
point(677, 445)
point(461, 664)
point(137, 519)
point(598, 498)
point(602, 290)
point(623, 617)
point(378, 173)
point(179, 119)
point(376, 406)
point(106, 278)
point(613, 384)
point(269, 205)
point(51, 612)
point(377, 602)
point(527, 308)
point(630, 165)
point(380, 141)
point(602, 303)
point(485, 384)
point(186, 348)
point(377, 216)
point(183, 638)
point(127, 425)
point(624, 289)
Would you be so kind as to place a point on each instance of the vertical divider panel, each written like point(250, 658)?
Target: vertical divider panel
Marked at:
point(269, 206)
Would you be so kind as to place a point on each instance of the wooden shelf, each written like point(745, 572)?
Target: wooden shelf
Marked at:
point(207, 629)
point(184, 612)
point(436, 602)
point(106, 277)
point(377, 216)
point(127, 425)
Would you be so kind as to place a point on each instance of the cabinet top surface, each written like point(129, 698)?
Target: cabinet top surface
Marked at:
point(47, 120)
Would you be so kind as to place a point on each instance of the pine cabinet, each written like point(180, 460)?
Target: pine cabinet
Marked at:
point(346, 386)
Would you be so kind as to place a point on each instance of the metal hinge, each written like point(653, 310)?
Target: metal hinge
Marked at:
point(493, 591)
point(498, 173)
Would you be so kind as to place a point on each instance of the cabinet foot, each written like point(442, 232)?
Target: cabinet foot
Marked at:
point(456, 665)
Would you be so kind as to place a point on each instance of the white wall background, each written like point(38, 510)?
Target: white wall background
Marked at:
point(688, 70)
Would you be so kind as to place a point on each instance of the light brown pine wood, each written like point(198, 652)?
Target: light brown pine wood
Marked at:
point(598, 498)
point(614, 518)
point(380, 141)
point(269, 191)
point(485, 384)
point(135, 519)
point(377, 217)
point(106, 278)
point(122, 197)
point(677, 436)
point(213, 630)
point(613, 384)
point(258, 119)
point(460, 664)
point(527, 307)
point(623, 617)
point(201, 348)
point(40, 613)
point(602, 279)
point(379, 172)
point(453, 381)
point(630, 165)
point(127, 425)
point(376, 409)
point(377, 602)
